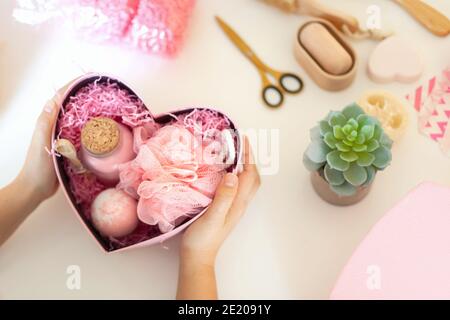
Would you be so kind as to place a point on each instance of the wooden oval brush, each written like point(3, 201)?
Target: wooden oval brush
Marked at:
point(429, 17)
point(338, 18)
point(343, 22)
point(316, 9)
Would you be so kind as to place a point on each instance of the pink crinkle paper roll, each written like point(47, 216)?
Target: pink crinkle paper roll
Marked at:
point(159, 25)
point(102, 20)
point(153, 26)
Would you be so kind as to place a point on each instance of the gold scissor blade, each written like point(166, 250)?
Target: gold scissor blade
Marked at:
point(237, 40)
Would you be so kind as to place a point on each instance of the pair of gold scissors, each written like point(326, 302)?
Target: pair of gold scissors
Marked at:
point(272, 94)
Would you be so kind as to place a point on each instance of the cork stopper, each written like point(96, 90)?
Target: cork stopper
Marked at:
point(100, 135)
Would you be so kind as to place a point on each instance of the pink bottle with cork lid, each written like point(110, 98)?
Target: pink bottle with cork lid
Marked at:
point(105, 144)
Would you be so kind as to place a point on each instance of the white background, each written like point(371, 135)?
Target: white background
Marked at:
point(290, 244)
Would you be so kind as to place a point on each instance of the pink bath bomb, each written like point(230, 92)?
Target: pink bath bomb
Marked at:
point(114, 213)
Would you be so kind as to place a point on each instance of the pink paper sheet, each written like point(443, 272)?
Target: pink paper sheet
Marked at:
point(407, 254)
point(432, 103)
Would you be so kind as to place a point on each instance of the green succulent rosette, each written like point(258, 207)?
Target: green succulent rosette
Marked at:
point(350, 147)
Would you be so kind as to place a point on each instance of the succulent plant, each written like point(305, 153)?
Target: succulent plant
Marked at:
point(348, 148)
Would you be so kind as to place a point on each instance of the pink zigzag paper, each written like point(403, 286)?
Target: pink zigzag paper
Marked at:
point(432, 102)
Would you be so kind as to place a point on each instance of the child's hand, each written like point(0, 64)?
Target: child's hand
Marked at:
point(38, 172)
point(203, 239)
point(37, 179)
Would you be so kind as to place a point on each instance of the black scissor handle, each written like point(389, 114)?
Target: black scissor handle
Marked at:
point(292, 79)
point(272, 96)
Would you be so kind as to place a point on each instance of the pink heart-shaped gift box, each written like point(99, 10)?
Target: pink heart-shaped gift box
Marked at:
point(163, 118)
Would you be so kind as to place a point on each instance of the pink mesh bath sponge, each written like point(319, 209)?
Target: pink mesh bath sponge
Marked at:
point(175, 173)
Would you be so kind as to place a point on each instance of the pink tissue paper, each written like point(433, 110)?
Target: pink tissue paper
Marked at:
point(153, 26)
point(406, 255)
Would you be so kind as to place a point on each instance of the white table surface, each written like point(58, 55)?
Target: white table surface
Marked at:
point(290, 244)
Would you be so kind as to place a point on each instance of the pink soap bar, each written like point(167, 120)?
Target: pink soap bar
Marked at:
point(105, 167)
point(407, 253)
point(395, 59)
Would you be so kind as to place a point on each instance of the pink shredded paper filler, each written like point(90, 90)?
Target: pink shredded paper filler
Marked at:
point(154, 26)
point(178, 164)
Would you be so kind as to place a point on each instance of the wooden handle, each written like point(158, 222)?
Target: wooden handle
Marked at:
point(337, 18)
point(429, 17)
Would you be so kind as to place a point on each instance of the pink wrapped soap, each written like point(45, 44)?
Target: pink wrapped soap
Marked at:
point(153, 26)
point(114, 213)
